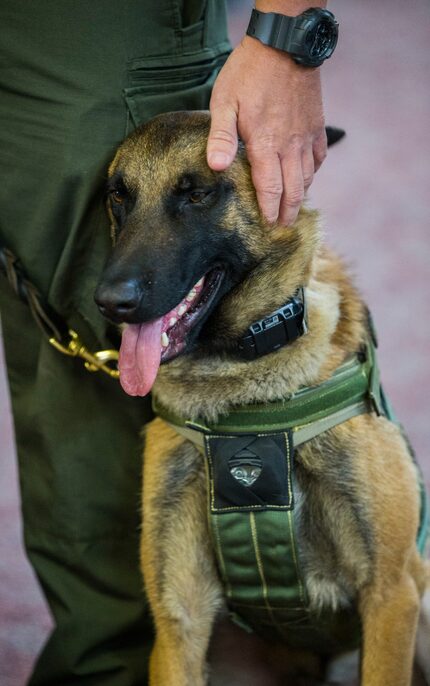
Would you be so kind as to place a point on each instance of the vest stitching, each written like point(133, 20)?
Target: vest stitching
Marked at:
point(221, 558)
point(260, 567)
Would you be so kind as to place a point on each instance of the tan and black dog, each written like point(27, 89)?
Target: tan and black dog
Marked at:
point(194, 265)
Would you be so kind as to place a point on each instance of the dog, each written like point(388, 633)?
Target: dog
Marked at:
point(194, 266)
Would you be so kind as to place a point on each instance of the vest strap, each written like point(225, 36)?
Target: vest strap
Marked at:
point(300, 434)
point(352, 390)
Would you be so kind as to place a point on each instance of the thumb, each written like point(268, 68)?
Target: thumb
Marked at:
point(222, 141)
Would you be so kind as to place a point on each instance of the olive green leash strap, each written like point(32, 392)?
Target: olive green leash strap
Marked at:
point(52, 325)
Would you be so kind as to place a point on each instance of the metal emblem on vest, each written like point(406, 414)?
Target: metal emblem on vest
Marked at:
point(245, 466)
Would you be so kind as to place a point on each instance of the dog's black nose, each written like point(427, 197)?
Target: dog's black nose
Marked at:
point(118, 301)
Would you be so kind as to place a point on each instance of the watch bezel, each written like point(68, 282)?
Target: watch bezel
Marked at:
point(313, 20)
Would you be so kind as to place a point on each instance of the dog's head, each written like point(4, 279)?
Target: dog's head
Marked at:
point(194, 261)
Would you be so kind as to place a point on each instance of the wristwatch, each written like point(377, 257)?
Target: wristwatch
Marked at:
point(310, 38)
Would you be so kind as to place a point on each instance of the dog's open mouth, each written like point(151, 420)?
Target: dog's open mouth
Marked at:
point(145, 346)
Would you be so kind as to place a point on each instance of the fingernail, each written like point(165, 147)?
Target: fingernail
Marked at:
point(219, 159)
point(272, 221)
point(270, 217)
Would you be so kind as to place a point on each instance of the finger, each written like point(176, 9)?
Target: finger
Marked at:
point(222, 141)
point(267, 179)
point(293, 195)
point(308, 167)
point(320, 149)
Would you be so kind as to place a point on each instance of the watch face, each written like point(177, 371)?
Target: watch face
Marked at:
point(321, 40)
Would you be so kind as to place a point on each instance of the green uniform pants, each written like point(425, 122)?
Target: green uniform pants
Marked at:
point(75, 77)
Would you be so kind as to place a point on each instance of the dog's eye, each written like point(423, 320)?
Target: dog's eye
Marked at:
point(197, 196)
point(117, 197)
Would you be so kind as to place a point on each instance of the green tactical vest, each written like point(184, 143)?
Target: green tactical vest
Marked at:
point(253, 524)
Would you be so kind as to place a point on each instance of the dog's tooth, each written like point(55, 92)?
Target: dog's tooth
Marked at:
point(191, 295)
point(164, 339)
point(199, 282)
point(172, 321)
point(181, 310)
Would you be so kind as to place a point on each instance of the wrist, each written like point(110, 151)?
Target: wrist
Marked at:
point(279, 59)
point(281, 69)
point(291, 8)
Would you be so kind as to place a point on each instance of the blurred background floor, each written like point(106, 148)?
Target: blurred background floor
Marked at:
point(374, 195)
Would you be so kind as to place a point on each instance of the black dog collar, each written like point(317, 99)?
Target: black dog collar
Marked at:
point(281, 327)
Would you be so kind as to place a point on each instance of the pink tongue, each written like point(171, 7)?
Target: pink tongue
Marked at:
point(140, 356)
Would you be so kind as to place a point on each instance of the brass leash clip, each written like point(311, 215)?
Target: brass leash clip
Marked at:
point(102, 360)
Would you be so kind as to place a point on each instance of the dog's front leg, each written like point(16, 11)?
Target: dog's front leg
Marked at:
point(179, 571)
point(389, 627)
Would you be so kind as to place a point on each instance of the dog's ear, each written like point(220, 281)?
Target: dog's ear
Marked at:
point(333, 135)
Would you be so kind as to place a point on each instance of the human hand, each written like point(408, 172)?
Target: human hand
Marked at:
point(275, 106)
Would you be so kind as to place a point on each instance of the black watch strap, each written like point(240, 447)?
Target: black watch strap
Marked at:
point(271, 28)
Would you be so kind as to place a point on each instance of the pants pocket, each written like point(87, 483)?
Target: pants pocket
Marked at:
point(170, 87)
